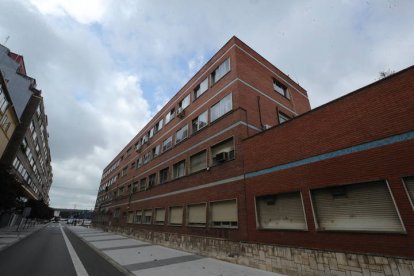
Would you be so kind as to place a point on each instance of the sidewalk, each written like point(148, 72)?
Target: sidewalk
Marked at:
point(142, 258)
point(11, 235)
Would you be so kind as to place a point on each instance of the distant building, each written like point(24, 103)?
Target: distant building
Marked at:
point(25, 161)
point(237, 166)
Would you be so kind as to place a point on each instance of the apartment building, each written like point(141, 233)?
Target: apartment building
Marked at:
point(8, 116)
point(25, 162)
point(236, 166)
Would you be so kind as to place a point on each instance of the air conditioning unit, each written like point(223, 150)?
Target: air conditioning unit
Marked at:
point(222, 156)
point(266, 127)
point(180, 112)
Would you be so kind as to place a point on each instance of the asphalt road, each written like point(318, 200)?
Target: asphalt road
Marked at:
point(46, 253)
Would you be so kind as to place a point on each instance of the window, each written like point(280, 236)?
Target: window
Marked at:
point(167, 144)
point(152, 180)
point(143, 184)
point(147, 217)
point(220, 71)
point(151, 133)
point(117, 212)
point(201, 88)
point(282, 211)
point(158, 127)
point(144, 139)
point(159, 216)
point(124, 171)
point(138, 145)
point(179, 169)
point(3, 101)
point(181, 134)
point(409, 185)
point(163, 176)
point(184, 103)
point(4, 123)
point(283, 117)
point(169, 116)
point(200, 122)
point(223, 151)
point(139, 162)
point(176, 215)
point(198, 161)
point(156, 151)
point(129, 151)
point(135, 187)
point(32, 126)
point(130, 217)
point(147, 157)
point(196, 215)
point(280, 88)
point(357, 207)
point(221, 108)
point(138, 216)
point(224, 213)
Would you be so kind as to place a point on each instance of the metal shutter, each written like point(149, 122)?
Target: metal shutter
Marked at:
point(409, 184)
point(357, 207)
point(176, 215)
point(283, 211)
point(197, 213)
point(160, 215)
point(224, 211)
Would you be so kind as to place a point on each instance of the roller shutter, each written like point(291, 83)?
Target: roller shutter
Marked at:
point(357, 207)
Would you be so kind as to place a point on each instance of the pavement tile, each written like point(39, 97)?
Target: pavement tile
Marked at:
point(142, 258)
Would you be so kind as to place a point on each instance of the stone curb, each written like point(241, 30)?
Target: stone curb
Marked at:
point(103, 255)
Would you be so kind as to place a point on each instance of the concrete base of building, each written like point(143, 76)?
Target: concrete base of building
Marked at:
point(281, 259)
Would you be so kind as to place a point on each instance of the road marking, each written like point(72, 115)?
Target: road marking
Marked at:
point(80, 269)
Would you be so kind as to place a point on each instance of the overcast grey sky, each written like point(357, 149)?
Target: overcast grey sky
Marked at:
point(106, 66)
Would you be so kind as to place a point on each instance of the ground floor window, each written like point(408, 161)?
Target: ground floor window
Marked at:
point(147, 216)
point(130, 217)
point(176, 215)
point(138, 217)
point(409, 185)
point(356, 207)
point(159, 216)
point(196, 215)
point(223, 213)
point(280, 211)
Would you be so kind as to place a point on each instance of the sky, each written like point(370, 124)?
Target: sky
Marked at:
point(105, 67)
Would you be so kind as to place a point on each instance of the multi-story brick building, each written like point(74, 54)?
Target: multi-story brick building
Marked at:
point(236, 166)
point(25, 161)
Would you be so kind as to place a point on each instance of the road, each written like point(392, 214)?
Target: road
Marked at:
point(53, 251)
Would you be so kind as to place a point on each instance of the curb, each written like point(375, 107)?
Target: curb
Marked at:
point(103, 255)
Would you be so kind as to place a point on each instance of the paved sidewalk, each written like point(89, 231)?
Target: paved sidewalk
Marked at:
point(11, 235)
point(142, 258)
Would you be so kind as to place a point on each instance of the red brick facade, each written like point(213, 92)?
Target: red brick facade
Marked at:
point(379, 111)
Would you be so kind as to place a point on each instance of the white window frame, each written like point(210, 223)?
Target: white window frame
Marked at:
point(201, 88)
point(181, 134)
point(198, 123)
point(167, 144)
point(224, 106)
point(177, 166)
point(220, 71)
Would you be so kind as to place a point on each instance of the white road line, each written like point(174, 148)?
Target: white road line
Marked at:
point(80, 269)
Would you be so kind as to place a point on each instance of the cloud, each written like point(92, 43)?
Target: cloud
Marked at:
point(105, 66)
